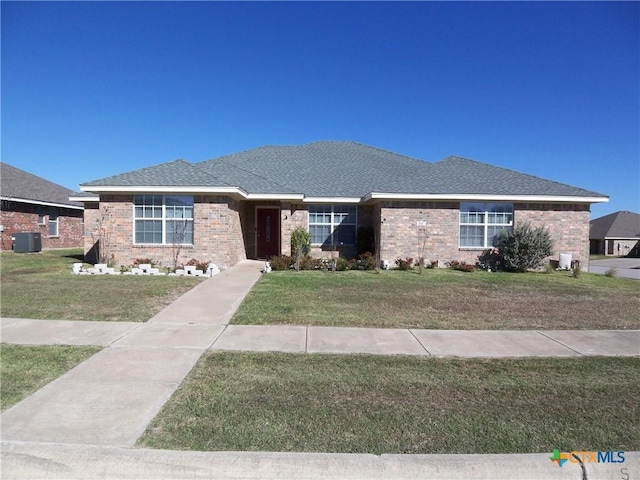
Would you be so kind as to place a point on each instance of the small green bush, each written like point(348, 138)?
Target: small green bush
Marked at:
point(611, 273)
point(342, 264)
point(524, 248)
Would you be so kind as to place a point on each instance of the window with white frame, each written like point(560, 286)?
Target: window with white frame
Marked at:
point(481, 223)
point(163, 219)
point(53, 222)
point(332, 224)
point(42, 217)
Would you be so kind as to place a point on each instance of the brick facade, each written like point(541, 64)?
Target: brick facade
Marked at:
point(218, 233)
point(17, 217)
point(225, 230)
point(402, 233)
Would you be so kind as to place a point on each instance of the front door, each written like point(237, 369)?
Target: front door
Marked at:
point(267, 232)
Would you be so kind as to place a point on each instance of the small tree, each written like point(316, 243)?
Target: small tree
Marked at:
point(179, 233)
point(525, 247)
point(300, 244)
point(101, 235)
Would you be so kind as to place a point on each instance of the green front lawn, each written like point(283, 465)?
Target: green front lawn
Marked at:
point(386, 404)
point(443, 299)
point(25, 369)
point(41, 286)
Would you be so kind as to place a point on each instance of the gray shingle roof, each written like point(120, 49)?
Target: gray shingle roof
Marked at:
point(342, 169)
point(615, 225)
point(19, 184)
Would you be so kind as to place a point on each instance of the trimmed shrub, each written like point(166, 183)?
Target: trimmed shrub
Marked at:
point(461, 266)
point(281, 262)
point(406, 264)
point(367, 261)
point(309, 263)
point(525, 247)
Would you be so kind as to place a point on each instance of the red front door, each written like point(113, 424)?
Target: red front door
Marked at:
point(267, 232)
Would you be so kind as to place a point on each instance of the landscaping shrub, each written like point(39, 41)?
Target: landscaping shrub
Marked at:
point(143, 261)
point(461, 266)
point(406, 264)
point(490, 259)
point(281, 262)
point(300, 244)
point(197, 263)
point(342, 264)
point(367, 261)
point(524, 248)
point(309, 263)
point(611, 273)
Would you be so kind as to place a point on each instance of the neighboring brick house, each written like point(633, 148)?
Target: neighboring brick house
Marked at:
point(246, 205)
point(33, 204)
point(616, 234)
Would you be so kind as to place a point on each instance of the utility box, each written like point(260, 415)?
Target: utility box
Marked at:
point(27, 242)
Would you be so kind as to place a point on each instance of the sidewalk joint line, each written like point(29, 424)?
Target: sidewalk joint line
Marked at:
point(559, 342)
point(419, 342)
point(217, 337)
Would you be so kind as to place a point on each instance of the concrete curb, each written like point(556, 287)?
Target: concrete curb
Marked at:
point(55, 461)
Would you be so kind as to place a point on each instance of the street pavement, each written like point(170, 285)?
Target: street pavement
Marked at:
point(85, 423)
point(623, 267)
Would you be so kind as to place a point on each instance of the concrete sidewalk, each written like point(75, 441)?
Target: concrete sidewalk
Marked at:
point(176, 332)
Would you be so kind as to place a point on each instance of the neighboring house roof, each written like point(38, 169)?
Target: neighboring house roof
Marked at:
point(21, 186)
point(340, 169)
point(615, 225)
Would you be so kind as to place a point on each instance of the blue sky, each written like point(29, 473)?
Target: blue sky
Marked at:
point(91, 89)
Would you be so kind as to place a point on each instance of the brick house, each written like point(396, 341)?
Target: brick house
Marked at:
point(33, 204)
point(616, 234)
point(246, 205)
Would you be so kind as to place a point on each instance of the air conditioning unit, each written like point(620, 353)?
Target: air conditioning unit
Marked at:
point(27, 242)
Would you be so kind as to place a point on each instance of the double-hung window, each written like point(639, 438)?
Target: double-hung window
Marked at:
point(481, 223)
point(332, 224)
point(163, 219)
point(53, 222)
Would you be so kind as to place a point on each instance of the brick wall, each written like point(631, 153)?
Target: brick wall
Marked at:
point(16, 217)
point(218, 233)
point(414, 229)
point(401, 235)
point(568, 225)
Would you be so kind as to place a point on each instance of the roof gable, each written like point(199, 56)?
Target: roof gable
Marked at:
point(616, 225)
point(21, 185)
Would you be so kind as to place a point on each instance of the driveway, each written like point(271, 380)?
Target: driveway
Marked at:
point(624, 267)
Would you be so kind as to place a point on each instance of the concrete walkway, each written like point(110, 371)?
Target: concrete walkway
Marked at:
point(85, 423)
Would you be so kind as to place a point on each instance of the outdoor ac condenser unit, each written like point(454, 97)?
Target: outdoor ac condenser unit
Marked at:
point(27, 242)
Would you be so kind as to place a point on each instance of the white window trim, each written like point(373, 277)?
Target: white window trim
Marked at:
point(333, 225)
point(485, 225)
point(163, 219)
point(53, 220)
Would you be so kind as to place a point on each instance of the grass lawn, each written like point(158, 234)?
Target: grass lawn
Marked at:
point(443, 299)
point(41, 286)
point(387, 404)
point(25, 369)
